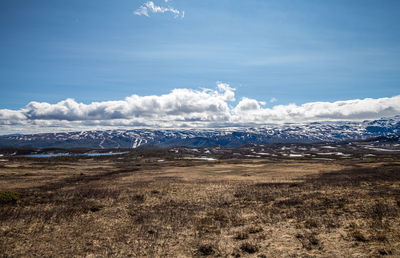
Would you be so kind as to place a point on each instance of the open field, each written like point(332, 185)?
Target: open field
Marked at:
point(150, 205)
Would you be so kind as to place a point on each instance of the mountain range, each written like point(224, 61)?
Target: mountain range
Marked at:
point(286, 133)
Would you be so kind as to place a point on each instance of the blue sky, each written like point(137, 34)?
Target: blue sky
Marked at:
point(292, 50)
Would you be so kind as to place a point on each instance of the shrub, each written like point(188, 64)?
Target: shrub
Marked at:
point(241, 236)
point(249, 248)
point(138, 197)
point(254, 229)
point(9, 197)
point(359, 236)
point(206, 249)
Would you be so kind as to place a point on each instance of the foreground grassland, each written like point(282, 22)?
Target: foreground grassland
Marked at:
point(129, 206)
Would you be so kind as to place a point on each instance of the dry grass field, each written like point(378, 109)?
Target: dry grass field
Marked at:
point(129, 206)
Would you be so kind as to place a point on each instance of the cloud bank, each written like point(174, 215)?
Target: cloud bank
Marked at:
point(189, 108)
point(150, 7)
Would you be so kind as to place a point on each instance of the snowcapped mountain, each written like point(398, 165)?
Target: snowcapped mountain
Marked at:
point(296, 133)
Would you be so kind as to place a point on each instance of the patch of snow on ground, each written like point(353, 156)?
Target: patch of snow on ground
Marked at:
point(380, 149)
point(253, 156)
point(201, 158)
point(328, 147)
point(343, 154)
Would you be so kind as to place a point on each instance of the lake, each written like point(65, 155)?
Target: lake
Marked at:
point(73, 154)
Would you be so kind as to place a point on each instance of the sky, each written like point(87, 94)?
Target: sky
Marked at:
point(93, 64)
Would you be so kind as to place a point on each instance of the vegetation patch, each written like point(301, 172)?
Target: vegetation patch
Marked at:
point(249, 247)
point(9, 197)
point(206, 249)
point(165, 209)
point(242, 235)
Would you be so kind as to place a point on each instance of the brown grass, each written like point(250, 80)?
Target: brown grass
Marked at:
point(141, 207)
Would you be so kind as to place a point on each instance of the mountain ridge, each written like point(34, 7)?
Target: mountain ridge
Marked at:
point(133, 138)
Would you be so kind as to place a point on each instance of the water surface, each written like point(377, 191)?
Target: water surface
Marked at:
point(94, 154)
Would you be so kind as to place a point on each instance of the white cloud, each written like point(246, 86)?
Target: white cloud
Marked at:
point(179, 105)
point(357, 109)
point(142, 10)
point(188, 108)
point(273, 100)
point(247, 105)
point(152, 8)
point(229, 93)
point(10, 117)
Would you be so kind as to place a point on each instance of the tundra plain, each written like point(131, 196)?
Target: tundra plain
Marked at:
point(157, 203)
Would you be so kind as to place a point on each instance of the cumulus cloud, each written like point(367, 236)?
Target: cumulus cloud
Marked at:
point(246, 105)
point(10, 117)
point(190, 108)
point(152, 8)
point(179, 105)
point(357, 109)
point(229, 93)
